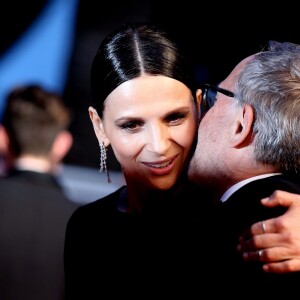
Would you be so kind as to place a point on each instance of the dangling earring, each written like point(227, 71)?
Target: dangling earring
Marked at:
point(103, 157)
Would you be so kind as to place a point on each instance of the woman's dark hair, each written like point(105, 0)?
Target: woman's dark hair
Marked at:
point(131, 51)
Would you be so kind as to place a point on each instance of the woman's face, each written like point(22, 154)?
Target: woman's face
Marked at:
point(151, 123)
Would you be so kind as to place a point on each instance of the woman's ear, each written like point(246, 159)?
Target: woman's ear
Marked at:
point(98, 127)
point(198, 101)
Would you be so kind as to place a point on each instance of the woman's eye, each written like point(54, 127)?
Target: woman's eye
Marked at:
point(132, 126)
point(176, 118)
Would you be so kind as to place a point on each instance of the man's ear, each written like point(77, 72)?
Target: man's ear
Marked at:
point(61, 145)
point(242, 130)
point(98, 127)
point(4, 141)
point(6, 154)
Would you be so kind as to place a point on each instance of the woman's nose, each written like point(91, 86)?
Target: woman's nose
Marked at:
point(159, 139)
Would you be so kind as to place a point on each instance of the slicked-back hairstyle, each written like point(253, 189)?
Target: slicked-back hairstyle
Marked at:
point(270, 82)
point(131, 51)
point(32, 118)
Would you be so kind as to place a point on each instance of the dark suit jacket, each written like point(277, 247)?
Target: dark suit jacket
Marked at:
point(33, 217)
point(241, 210)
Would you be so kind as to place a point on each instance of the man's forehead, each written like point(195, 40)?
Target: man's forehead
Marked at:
point(230, 80)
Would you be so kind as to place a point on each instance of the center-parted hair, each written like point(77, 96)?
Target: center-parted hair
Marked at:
point(270, 83)
point(131, 51)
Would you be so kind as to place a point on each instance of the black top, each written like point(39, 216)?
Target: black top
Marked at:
point(111, 253)
point(180, 247)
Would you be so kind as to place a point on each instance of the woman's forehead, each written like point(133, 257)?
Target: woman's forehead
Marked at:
point(150, 95)
point(147, 86)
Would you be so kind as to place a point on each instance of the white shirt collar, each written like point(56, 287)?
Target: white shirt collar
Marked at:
point(238, 185)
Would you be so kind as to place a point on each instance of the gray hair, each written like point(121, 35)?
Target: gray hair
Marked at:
point(270, 83)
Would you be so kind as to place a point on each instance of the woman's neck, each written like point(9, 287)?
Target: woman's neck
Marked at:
point(137, 198)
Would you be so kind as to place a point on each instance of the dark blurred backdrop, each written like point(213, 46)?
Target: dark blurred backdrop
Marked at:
point(215, 35)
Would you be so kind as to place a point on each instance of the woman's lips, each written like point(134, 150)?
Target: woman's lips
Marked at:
point(161, 167)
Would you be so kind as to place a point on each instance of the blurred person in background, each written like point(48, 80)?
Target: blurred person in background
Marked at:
point(33, 207)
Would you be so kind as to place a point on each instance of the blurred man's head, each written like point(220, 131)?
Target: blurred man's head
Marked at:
point(35, 125)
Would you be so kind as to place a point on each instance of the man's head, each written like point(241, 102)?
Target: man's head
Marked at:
point(254, 130)
point(34, 124)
